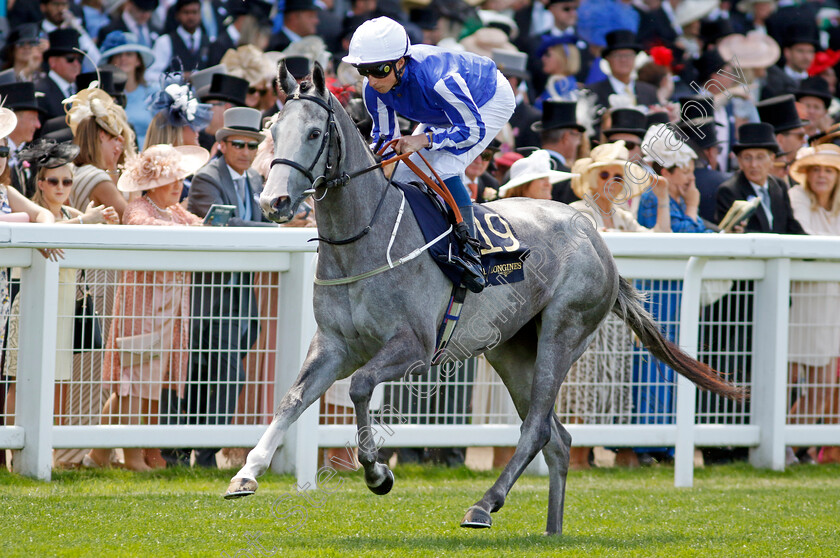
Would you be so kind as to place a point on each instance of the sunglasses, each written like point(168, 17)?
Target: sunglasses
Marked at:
point(630, 145)
point(72, 59)
point(241, 144)
point(569, 8)
point(4, 151)
point(376, 70)
point(261, 91)
point(605, 175)
point(487, 156)
point(53, 181)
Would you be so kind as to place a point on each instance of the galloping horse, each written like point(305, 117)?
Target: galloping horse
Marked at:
point(380, 318)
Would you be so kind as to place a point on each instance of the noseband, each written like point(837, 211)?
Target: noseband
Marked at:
point(325, 143)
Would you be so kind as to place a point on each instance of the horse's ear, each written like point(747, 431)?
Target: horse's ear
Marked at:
point(318, 79)
point(284, 79)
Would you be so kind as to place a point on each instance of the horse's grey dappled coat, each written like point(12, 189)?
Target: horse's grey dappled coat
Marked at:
point(379, 328)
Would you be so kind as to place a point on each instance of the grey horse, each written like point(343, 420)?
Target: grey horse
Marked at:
point(379, 321)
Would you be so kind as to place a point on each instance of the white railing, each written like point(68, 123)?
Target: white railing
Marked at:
point(771, 261)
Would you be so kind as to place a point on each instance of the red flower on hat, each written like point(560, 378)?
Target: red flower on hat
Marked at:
point(823, 61)
point(662, 56)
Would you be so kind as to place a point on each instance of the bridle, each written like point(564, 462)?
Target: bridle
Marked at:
point(326, 144)
point(322, 181)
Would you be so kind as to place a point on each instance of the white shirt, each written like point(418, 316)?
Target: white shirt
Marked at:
point(65, 86)
point(85, 43)
point(798, 76)
point(234, 34)
point(621, 88)
point(163, 52)
point(143, 33)
point(293, 37)
point(766, 207)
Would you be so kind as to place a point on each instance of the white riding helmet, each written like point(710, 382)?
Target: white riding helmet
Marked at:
point(378, 40)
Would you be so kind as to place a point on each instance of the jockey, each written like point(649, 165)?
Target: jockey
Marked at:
point(460, 99)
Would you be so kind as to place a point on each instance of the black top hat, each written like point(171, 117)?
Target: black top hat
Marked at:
point(299, 6)
point(558, 114)
point(711, 31)
point(257, 8)
point(696, 106)
point(424, 18)
point(621, 39)
point(494, 146)
point(181, 3)
point(298, 66)
point(701, 133)
point(759, 135)
point(814, 87)
point(20, 96)
point(146, 5)
point(225, 88)
point(627, 121)
point(57, 129)
point(780, 112)
point(63, 41)
point(801, 32)
point(709, 62)
point(654, 118)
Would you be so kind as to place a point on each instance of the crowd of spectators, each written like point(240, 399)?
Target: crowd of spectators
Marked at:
point(746, 88)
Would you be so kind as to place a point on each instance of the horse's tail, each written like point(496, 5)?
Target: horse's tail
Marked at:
point(629, 308)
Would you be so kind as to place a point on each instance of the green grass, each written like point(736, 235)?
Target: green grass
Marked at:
point(732, 510)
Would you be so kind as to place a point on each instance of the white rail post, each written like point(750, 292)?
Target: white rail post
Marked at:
point(768, 398)
point(299, 450)
point(36, 366)
point(687, 391)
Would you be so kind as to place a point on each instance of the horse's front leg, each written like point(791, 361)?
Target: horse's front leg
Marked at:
point(325, 363)
point(394, 360)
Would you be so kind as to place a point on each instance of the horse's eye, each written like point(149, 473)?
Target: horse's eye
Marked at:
point(315, 134)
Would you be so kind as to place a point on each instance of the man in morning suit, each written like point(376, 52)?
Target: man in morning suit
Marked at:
point(620, 53)
point(65, 64)
point(560, 135)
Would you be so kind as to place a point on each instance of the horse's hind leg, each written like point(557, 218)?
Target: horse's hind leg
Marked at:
point(394, 360)
point(324, 365)
point(534, 390)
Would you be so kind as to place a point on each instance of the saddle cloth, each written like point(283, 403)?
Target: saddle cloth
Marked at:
point(503, 255)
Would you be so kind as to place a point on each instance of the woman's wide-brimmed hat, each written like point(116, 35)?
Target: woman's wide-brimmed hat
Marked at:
point(824, 155)
point(695, 10)
point(753, 50)
point(533, 167)
point(614, 154)
point(8, 122)
point(117, 42)
point(486, 40)
point(160, 165)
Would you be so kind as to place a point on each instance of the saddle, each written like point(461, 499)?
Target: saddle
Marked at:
point(503, 255)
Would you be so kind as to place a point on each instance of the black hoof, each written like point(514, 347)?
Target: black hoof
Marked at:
point(385, 486)
point(476, 518)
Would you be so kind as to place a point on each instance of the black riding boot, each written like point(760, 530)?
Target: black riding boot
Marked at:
point(470, 258)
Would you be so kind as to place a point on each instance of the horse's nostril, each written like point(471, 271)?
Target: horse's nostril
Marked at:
point(280, 201)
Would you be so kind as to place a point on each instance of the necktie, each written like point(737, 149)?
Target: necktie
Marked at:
point(191, 43)
point(764, 194)
point(144, 36)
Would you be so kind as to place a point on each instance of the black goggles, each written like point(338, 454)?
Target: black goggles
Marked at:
point(376, 70)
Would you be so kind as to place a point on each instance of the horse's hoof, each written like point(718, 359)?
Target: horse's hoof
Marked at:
point(385, 486)
point(240, 487)
point(476, 518)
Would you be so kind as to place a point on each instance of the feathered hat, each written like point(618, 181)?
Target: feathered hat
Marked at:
point(110, 116)
point(47, 153)
point(178, 100)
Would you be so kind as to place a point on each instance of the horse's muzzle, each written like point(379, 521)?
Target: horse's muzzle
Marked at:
point(278, 209)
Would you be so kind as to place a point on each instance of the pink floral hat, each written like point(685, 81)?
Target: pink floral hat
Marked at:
point(160, 165)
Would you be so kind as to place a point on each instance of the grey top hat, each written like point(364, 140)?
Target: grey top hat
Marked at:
point(202, 78)
point(511, 64)
point(241, 121)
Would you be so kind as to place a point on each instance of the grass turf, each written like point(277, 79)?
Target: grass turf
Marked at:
point(732, 510)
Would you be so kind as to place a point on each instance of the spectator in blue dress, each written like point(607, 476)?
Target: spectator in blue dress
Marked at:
point(653, 381)
point(124, 51)
point(560, 62)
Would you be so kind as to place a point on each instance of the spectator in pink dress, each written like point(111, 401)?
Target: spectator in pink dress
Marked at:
point(148, 342)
